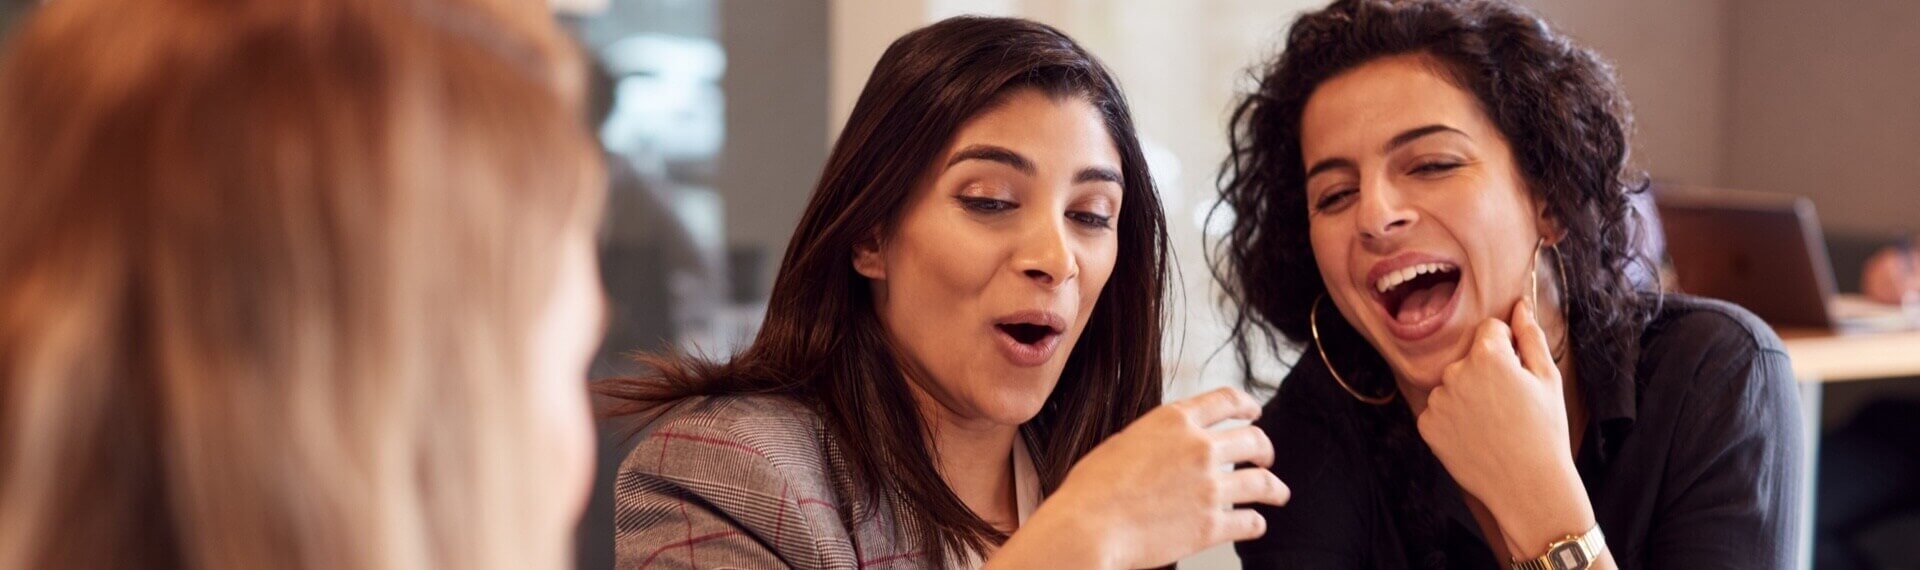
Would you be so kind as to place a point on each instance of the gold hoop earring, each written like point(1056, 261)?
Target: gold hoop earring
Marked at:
point(1533, 273)
point(1313, 324)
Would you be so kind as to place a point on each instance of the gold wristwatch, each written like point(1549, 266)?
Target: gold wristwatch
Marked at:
point(1575, 552)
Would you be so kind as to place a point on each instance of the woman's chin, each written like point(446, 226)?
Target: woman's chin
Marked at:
point(1009, 405)
point(1419, 367)
point(1017, 411)
point(1422, 376)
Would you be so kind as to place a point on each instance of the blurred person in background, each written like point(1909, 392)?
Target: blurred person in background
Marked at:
point(1892, 274)
point(968, 320)
point(294, 284)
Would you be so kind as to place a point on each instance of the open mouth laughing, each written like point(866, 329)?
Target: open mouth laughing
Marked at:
point(1417, 294)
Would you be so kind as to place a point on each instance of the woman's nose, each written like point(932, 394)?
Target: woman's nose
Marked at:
point(1044, 254)
point(1383, 211)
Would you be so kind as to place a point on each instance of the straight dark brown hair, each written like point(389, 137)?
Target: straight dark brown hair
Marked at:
point(823, 344)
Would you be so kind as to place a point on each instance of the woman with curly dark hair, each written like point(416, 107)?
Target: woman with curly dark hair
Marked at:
point(1430, 198)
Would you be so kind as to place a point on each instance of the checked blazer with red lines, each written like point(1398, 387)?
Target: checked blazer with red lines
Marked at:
point(750, 482)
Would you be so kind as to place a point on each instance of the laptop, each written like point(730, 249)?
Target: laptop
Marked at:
point(1763, 251)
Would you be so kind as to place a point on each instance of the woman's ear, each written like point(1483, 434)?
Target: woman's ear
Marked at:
point(1549, 226)
point(867, 259)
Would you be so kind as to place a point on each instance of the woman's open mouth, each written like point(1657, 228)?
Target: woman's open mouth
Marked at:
point(1029, 339)
point(1417, 298)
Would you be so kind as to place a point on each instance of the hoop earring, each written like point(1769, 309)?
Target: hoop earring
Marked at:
point(1533, 273)
point(1313, 324)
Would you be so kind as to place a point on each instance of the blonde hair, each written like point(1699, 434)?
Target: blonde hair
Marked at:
point(267, 275)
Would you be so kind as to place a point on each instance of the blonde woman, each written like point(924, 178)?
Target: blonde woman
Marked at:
point(293, 284)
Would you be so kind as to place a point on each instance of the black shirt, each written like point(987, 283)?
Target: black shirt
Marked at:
point(1693, 461)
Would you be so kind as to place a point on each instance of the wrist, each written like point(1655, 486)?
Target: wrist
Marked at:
point(1582, 551)
point(1054, 538)
point(1532, 542)
point(1552, 509)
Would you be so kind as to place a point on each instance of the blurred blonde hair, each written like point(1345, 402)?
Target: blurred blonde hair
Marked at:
point(267, 275)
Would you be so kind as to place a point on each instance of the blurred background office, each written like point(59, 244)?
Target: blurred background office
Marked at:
point(717, 115)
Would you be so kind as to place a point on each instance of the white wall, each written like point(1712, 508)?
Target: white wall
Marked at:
point(1820, 99)
point(777, 86)
point(859, 31)
point(1673, 58)
point(1825, 101)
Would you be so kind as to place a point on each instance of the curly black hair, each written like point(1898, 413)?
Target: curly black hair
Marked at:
point(1568, 122)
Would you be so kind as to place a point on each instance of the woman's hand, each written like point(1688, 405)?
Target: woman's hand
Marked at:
point(1498, 423)
point(1159, 490)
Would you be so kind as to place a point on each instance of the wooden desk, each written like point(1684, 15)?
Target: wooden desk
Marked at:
point(1821, 357)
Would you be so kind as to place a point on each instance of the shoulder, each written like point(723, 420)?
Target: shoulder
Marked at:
point(1696, 324)
point(747, 466)
point(1715, 366)
point(1718, 424)
point(745, 440)
point(715, 414)
point(1711, 350)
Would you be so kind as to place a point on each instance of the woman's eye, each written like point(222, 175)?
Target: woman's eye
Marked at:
point(1333, 199)
point(985, 205)
point(1434, 167)
point(1091, 220)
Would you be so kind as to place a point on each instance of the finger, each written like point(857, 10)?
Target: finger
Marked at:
point(1245, 444)
point(1532, 342)
point(1237, 525)
point(1439, 398)
point(1452, 371)
point(1493, 332)
point(1219, 405)
point(1428, 425)
point(1494, 339)
point(1254, 485)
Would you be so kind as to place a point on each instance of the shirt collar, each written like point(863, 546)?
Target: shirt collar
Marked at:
point(1611, 386)
point(1026, 481)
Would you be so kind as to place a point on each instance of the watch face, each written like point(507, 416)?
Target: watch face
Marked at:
point(1568, 556)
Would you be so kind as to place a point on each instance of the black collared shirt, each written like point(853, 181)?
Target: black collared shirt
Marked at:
point(1693, 463)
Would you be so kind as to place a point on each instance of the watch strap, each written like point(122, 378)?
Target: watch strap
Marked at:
point(1575, 552)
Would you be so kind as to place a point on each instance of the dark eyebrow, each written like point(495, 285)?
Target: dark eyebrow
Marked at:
point(1329, 164)
point(992, 153)
point(1397, 141)
point(1097, 174)
point(1411, 135)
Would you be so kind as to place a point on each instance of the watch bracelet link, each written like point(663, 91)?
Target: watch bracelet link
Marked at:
point(1575, 552)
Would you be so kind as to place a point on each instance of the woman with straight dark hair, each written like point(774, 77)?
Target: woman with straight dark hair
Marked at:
point(1431, 198)
point(969, 308)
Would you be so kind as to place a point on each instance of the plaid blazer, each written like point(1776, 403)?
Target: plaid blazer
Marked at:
point(751, 482)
